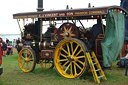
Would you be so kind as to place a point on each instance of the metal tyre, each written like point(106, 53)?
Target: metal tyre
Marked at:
point(46, 63)
point(27, 60)
point(70, 59)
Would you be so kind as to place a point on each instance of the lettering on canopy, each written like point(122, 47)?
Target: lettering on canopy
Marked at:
point(26, 16)
point(62, 14)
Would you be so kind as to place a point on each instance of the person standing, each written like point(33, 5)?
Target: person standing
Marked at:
point(95, 31)
point(18, 41)
point(4, 47)
point(7, 41)
point(19, 45)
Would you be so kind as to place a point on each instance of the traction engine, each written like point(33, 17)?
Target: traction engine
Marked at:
point(69, 37)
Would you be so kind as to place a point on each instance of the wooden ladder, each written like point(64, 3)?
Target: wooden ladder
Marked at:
point(96, 69)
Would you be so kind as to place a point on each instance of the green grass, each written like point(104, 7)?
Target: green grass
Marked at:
point(12, 75)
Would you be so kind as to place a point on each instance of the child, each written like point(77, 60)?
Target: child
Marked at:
point(4, 47)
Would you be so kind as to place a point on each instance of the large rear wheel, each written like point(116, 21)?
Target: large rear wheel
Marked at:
point(27, 60)
point(69, 58)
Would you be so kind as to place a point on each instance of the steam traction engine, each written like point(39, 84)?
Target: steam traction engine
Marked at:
point(62, 42)
point(65, 47)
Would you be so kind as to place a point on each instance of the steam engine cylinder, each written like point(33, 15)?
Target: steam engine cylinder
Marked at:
point(44, 45)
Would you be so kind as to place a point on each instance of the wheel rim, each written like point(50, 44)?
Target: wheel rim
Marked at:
point(26, 60)
point(69, 59)
point(46, 63)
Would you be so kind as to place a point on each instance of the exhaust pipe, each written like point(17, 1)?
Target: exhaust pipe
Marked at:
point(40, 5)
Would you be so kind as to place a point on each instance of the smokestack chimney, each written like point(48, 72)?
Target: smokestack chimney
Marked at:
point(40, 5)
point(67, 7)
point(89, 5)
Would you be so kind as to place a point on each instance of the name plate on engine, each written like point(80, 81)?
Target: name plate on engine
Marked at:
point(47, 54)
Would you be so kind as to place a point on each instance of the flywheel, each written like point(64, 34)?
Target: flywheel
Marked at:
point(68, 30)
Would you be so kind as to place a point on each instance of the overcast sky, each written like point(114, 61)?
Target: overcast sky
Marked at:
point(8, 25)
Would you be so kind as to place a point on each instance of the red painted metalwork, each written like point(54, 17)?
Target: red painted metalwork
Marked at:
point(98, 49)
point(47, 54)
point(67, 30)
point(125, 46)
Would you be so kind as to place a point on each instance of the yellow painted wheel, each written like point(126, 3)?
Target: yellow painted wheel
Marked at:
point(46, 63)
point(27, 60)
point(69, 58)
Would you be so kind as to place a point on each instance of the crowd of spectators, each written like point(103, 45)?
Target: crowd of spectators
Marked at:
point(3, 46)
point(7, 48)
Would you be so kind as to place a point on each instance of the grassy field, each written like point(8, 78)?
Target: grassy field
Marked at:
point(12, 75)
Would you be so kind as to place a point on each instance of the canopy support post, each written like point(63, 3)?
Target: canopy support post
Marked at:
point(20, 28)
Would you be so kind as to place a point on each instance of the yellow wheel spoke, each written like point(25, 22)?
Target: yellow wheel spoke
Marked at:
point(75, 69)
point(22, 60)
point(75, 49)
point(81, 57)
point(68, 48)
point(71, 47)
point(25, 54)
point(70, 29)
point(64, 50)
point(73, 35)
point(77, 65)
point(28, 66)
point(80, 62)
point(31, 59)
point(71, 69)
point(30, 55)
point(67, 68)
point(22, 57)
point(23, 65)
point(65, 29)
point(40, 61)
point(65, 63)
point(30, 62)
point(62, 34)
point(78, 53)
point(63, 55)
point(62, 60)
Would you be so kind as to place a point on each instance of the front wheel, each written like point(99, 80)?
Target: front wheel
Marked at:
point(27, 60)
point(70, 59)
